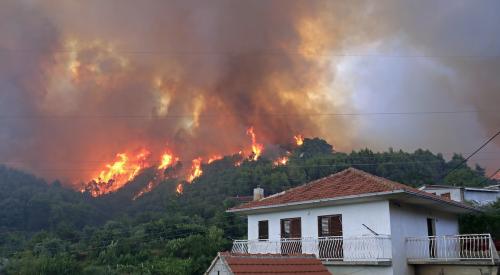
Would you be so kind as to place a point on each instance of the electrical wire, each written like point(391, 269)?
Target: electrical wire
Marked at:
point(472, 154)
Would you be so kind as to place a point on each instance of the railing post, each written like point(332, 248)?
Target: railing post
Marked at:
point(445, 249)
point(490, 245)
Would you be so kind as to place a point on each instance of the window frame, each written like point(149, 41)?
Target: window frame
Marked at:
point(259, 223)
point(330, 231)
point(297, 220)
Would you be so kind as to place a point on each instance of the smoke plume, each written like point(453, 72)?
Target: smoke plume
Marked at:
point(83, 81)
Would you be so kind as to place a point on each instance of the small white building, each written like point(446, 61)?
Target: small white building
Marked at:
point(356, 222)
point(479, 196)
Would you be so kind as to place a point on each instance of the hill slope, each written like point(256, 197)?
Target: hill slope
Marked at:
point(51, 229)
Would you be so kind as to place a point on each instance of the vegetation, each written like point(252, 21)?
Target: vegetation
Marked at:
point(49, 229)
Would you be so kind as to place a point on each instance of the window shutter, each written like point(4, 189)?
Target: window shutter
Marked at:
point(296, 230)
point(336, 225)
point(263, 230)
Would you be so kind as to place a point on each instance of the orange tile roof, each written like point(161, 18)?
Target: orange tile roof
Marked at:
point(349, 182)
point(260, 264)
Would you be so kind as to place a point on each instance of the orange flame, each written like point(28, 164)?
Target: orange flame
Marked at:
point(167, 159)
point(256, 147)
point(179, 189)
point(281, 161)
point(214, 158)
point(195, 170)
point(145, 190)
point(118, 173)
point(299, 139)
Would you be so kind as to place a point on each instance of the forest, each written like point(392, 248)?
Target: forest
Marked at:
point(48, 228)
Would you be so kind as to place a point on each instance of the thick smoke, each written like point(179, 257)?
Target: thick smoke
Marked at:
point(106, 77)
point(82, 81)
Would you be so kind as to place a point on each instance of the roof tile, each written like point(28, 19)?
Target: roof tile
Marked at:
point(349, 182)
point(260, 264)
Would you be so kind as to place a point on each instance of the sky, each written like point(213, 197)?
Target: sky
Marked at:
point(81, 81)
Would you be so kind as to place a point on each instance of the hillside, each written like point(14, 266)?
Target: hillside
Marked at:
point(47, 228)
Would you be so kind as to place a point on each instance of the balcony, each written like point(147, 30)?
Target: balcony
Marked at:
point(455, 249)
point(367, 249)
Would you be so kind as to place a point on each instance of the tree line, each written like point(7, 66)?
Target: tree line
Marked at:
point(50, 229)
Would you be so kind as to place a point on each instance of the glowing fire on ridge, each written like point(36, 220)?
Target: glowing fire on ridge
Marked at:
point(125, 168)
point(214, 158)
point(118, 173)
point(195, 170)
point(256, 147)
point(299, 139)
point(167, 159)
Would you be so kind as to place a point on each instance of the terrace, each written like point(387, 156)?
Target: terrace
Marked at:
point(455, 249)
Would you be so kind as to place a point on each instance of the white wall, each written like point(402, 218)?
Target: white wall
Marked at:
point(481, 197)
point(398, 220)
point(373, 214)
point(219, 268)
point(411, 221)
point(455, 193)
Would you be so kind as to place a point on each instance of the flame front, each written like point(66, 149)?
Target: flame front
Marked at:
point(256, 147)
point(214, 158)
point(117, 174)
point(167, 159)
point(281, 161)
point(299, 139)
point(195, 170)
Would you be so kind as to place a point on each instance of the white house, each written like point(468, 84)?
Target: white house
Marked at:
point(356, 222)
point(479, 196)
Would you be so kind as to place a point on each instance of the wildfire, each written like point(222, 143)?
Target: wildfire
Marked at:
point(256, 147)
point(179, 189)
point(281, 161)
point(214, 158)
point(195, 170)
point(167, 159)
point(126, 166)
point(145, 190)
point(118, 173)
point(299, 139)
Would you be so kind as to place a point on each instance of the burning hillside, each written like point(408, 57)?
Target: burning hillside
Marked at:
point(126, 166)
point(107, 103)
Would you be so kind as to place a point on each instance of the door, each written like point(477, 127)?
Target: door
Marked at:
point(330, 245)
point(291, 234)
point(431, 233)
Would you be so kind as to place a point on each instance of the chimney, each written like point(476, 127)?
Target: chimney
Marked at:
point(258, 193)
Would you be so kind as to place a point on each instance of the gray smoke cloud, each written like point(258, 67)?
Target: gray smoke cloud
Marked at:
point(82, 81)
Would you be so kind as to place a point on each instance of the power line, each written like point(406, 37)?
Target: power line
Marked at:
point(263, 52)
point(313, 165)
point(490, 177)
point(473, 153)
point(177, 116)
point(338, 164)
point(350, 158)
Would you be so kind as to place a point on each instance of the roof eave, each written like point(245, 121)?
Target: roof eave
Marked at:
point(459, 207)
point(319, 202)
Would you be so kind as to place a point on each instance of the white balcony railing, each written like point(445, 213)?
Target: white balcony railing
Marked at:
point(451, 248)
point(362, 248)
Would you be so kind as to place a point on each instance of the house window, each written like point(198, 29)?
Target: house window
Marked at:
point(330, 225)
point(263, 230)
point(291, 228)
